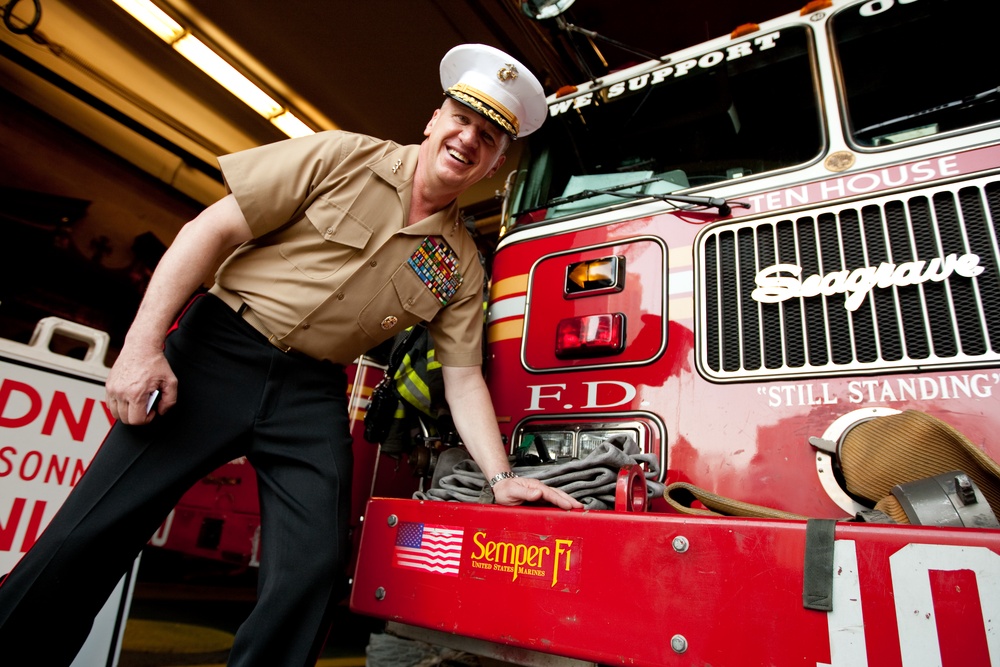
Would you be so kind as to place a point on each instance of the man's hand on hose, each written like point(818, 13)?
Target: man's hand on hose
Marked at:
point(517, 490)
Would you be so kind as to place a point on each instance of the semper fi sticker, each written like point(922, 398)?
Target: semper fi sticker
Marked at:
point(436, 264)
point(526, 559)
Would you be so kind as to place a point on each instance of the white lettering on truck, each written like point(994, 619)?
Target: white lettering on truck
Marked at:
point(706, 61)
point(600, 394)
point(592, 388)
point(863, 183)
point(537, 395)
point(873, 7)
point(916, 619)
point(773, 287)
point(888, 390)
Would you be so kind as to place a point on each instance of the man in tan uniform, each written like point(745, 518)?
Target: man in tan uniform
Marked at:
point(341, 242)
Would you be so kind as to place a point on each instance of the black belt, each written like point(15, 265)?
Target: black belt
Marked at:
point(234, 301)
point(251, 318)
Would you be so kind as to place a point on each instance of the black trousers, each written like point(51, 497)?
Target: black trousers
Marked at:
point(237, 396)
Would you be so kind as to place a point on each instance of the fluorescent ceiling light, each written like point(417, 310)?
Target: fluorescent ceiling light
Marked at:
point(212, 64)
point(290, 125)
point(209, 62)
point(153, 18)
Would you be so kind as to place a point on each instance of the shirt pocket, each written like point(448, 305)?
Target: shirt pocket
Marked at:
point(325, 240)
point(400, 303)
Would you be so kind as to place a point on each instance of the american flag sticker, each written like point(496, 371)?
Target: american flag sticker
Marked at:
point(423, 546)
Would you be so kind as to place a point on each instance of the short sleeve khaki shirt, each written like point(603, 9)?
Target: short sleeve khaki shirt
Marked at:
point(328, 270)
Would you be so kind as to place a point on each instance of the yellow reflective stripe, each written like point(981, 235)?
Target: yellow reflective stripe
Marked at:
point(415, 388)
point(682, 308)
point(679, 257)
point(411, 385)
point(508, 286)
point(505, 330)
point(423, 406)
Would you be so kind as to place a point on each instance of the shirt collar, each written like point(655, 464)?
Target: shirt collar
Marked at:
point(397, 168)
point(444, 223)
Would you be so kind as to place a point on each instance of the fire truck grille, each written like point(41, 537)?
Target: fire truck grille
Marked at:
point(949, 322)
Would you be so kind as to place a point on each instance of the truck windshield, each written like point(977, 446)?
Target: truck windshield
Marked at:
point(913, 70)
point(746, 109)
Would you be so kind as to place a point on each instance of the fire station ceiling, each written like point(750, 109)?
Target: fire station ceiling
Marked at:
point(110, 136)
point(367, 66)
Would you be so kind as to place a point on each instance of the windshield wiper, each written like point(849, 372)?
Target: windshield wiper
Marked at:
point(724, 206)
point(965, 101)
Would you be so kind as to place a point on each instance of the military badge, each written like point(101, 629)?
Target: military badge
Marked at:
point(436, 264)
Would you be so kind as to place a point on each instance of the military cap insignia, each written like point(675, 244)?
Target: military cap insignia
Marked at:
point(507, 73)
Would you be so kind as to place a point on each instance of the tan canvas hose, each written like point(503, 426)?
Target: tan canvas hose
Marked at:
point(875, 456)
point(681, 494)
point(883, 452)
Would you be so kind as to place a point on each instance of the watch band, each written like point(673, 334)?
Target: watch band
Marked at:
point(500, 476)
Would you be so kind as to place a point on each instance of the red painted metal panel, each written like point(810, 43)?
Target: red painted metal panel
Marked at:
point(637, 589)
point(642, 303)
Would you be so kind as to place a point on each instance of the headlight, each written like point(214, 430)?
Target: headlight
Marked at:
point(576, 443)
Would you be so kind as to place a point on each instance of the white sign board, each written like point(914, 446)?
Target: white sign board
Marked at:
point(52, 421)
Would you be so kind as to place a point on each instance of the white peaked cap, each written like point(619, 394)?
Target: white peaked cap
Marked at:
point(495, 85)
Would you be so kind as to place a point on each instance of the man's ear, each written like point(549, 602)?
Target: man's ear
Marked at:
point(430, 123)
point(499, 163)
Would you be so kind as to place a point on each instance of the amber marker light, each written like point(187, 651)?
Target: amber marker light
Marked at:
point(595, 276)
point(815, 6)
point(744, 30)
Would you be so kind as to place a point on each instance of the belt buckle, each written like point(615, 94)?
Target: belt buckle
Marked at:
point(250, 317)
point(273, 340)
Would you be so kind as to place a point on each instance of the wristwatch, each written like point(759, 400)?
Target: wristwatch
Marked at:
point(501, 475)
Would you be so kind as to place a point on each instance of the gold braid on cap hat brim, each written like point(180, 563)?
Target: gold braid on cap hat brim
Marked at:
point(487, 106)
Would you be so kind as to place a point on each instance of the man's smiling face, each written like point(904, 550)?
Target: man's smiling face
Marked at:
point(462, 147)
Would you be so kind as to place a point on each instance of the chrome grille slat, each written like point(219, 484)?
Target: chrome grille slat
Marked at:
point(952, 323)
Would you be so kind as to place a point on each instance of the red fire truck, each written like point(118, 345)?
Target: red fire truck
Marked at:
point(736, 255)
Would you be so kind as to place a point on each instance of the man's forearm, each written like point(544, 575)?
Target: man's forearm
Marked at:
point(186, 264)
point(472, 411)
point(141, 368)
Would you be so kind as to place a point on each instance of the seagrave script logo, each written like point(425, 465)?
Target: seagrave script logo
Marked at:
point(773, 287)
